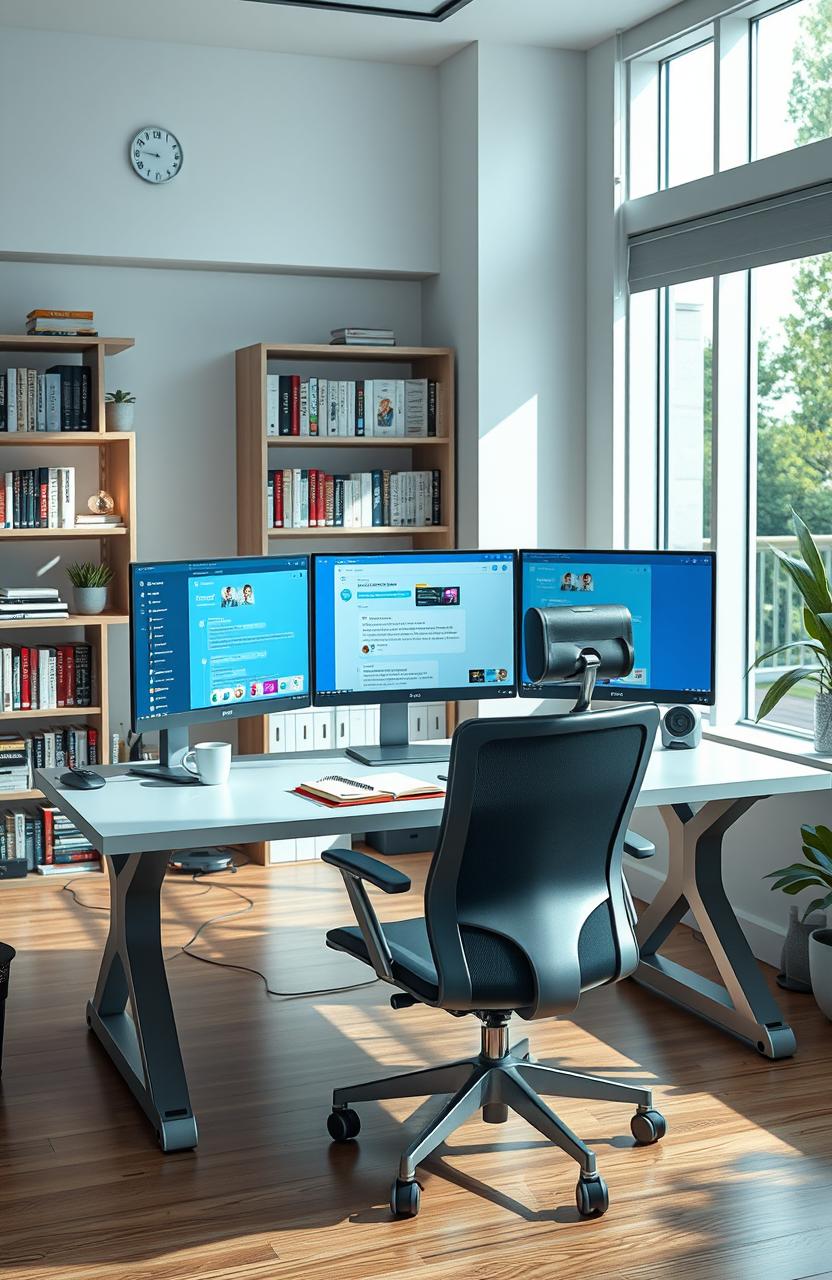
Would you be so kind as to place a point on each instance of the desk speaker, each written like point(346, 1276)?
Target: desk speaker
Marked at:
point(681, 729)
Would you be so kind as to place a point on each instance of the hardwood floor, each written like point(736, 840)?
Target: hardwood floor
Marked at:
point(739, 1188)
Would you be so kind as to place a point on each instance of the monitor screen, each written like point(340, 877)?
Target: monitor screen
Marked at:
point(215, 639)
point(413, 626)
point(671, 596)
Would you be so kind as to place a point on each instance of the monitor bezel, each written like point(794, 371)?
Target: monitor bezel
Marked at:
point(613, 693)
point(239, 711)
point(370, 697)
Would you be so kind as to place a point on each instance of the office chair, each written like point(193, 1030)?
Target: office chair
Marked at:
point(525, 908)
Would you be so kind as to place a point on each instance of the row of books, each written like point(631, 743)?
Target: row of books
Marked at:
point(46, 677)
point(47, 841)
point(300, 498)
point(58, 400)
point(61, 324)
point(31, 603)
point(38, 498)
point(71, 746)
point(362, 337)
point(381, 407)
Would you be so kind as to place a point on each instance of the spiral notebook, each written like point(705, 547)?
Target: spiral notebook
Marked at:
point(372, 788)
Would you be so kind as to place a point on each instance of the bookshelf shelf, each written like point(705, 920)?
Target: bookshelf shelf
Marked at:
point(6, 717)
point(116, 452)
point(74, 620)
point(257, 451)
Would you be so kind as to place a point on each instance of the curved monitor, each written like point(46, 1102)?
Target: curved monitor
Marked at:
point(412, 626)
point(218, 639)
point(672, 598)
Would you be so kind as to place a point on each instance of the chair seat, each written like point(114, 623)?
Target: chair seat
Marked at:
point(413, 965)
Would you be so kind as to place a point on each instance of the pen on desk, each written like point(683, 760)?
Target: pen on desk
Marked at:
point(443, 777)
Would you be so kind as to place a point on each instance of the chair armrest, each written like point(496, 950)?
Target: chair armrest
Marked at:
point(360, 865)
point(637, 846)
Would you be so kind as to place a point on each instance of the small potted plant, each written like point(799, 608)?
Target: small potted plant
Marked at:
point(119, 410)
point(809, 577)
point(814, 872)
point(89, 586)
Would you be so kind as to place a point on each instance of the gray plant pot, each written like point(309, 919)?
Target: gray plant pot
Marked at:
point(823, 723)
point(820, 967)
point(90, 599)
point(119, 417)
point(794, 960)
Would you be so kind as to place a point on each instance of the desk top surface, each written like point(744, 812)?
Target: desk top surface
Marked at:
point(132, 814)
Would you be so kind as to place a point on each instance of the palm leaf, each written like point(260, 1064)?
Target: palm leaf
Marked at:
point(804, 877)
point(797, 887)
point(820, 860)
point(781, 687)
point(811, 555)
point(818, 836)
point(817, 598)
point(818, 904)
point(781, 648)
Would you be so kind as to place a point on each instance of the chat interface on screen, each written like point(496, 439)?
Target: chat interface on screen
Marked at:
point(669, 596)
point(414, 622)
point(217, 634)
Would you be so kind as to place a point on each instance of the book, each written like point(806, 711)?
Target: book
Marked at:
point(371, 788)
point(309, 498)
point(68, 869)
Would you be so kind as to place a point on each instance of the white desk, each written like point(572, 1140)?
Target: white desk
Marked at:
point(136, 822)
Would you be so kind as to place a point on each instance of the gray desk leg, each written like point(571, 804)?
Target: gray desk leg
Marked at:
point(744, 1006)
point(144, 1047)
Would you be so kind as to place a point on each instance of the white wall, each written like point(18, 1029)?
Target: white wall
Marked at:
point(187, 325)
point(288, 161)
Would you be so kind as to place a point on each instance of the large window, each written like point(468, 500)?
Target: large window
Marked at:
point(792, 53)
point(687, 83)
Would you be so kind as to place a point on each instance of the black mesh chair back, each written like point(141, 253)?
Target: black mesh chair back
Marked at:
point(525, 901)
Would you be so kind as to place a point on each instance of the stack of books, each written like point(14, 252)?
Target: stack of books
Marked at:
point(62, 324)
point(15, 766)
point(23, 604)
point(48, 842)
point(58, 400)
point(362, 338)
point(45, 678)
point(38, 498)
point(92, 520)
point(379, 407)
point(297, 498)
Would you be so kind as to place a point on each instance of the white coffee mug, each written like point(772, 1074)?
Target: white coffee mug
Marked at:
point(209, 761)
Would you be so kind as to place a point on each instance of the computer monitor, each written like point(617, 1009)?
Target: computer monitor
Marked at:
point(213, 640)
point(404, 627)
point(672, 598)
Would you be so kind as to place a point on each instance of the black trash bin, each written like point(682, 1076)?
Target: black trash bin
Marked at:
point(7, 954)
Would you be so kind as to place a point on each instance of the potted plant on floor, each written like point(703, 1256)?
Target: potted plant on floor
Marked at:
point(814, 872)
point(119, 409)
point(809, 577)
point(89, 586)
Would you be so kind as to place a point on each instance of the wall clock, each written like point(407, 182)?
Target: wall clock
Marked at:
point(155, 154)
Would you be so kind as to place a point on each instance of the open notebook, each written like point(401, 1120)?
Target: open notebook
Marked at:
point(371, 788)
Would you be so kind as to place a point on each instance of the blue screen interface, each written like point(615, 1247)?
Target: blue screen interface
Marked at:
point(669, 595)
point(433, 621)
point(219, 634)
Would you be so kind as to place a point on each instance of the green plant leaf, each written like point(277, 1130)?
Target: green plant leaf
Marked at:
point(797, 886)
point(805, 876)
point(790, 644)
point(814, 596)
point(794, 868)
point(819, 837)
point(812, 558)
point(818, 904)
point(820, 860)
point(781, 687)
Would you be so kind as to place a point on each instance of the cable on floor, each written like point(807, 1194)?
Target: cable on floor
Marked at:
point(226, 964)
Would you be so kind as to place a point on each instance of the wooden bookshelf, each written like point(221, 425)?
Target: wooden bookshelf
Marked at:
point(258, 452)
point(117, 546)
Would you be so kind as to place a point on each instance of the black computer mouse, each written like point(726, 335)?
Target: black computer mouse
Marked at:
point(82, 779)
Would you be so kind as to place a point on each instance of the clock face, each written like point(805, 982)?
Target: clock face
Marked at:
point(155, 154)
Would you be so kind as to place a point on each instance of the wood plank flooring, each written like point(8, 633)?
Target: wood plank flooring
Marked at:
point(740, 1187)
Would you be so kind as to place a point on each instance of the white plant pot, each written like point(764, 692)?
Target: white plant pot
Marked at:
point(820, 968)
point(823, 723)
point(90, 599)
point(119, 417)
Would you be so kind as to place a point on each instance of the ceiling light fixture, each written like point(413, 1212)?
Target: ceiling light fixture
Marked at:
point(423, 10)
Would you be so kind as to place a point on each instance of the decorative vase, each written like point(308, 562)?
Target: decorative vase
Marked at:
point(823, 723)
point(90, 599)
point(820, 965)
point(119, 416)
point(794, 960)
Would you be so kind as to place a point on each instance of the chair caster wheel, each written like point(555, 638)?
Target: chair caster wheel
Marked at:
point(343, 1124)
point(647, 1127)
point(405, 1198)
point(592, 1196)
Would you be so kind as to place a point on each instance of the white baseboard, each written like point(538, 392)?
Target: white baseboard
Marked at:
point(764, 938)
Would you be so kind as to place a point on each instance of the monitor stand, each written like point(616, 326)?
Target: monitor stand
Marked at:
point(394, 748)
point(173, 746)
